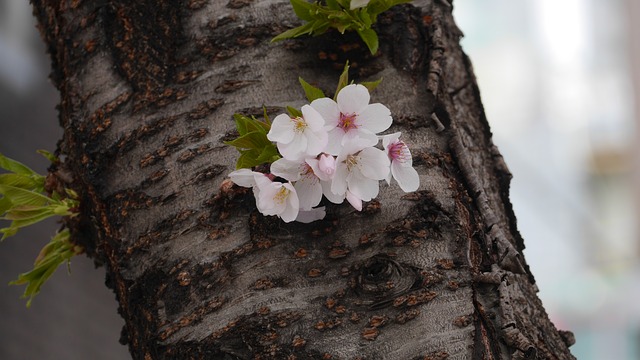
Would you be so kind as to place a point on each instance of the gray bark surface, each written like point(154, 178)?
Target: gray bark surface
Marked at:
point(148, 92)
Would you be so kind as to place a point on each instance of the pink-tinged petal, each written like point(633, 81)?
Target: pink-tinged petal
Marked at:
point(375, 118)
point(282, 129)
point(355, 201)
point(389, 139)
point(352, 99)
point(266, 203)
point(328, 109)
point(290, 212)
point(374, 163)
point(316, 141)
point(339, 182)
point(325, 167)
point(313, 118)
point(363, 137)
point(286, 169)
point(243, 177)
point(314, 164)
point(406, 176)
point(309, 191)
point(308, 216)
point(295, 150)
point(364, 188)
point(334, 142)
point(326, 190)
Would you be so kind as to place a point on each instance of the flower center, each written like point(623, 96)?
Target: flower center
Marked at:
point(399, 151)
point(299, 124)
point(351, 161)
point(281, 195)
point(347, 122)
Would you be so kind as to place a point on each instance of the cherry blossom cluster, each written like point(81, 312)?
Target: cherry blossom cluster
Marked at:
point(331, 151)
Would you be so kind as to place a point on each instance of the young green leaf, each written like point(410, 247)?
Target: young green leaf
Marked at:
point(295, 32)
point(241, 123)
point(20, 180)
point(58, 251)
point(268, 155)
point(370, 38)
point(311, 91)
point(293, 112)
point(343, 81)
point(14, 166)
point(51, 157)
point(19, 196)
point(252, 140)
point(302, 9)
point(371, 85)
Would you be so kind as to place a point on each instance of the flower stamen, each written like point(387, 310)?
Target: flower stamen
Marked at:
point(281, 195)
point(347, 122)
point(299, 124)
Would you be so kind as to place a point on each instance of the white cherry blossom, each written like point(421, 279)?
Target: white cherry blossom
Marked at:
point(305, 180)
point(401, 163)
point(299, 137)
point(359, 169)
point(276, 198)
point(352, 116)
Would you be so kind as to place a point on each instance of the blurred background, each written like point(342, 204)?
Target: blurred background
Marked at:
point(560, 82)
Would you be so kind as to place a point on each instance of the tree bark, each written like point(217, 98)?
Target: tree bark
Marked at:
point(148, 91)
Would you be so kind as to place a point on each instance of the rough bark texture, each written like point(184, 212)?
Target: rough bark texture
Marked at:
point(148, 92)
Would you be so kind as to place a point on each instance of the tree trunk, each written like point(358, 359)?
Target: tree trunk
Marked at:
point(148, 92)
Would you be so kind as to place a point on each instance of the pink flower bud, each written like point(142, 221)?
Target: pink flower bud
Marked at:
point(327, 164)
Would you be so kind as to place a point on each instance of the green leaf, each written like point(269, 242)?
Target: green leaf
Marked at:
point(268, 155)
point(343, 81)
point(266, 116)
point(295, 32)
point(58, 251)
point(14, 166)
point(311, 91)
point(370, 38)
point(5, 204)
point(252, 140)
point(293, 112)
point(27, 212)
point(51, 157)
point(20, 196)
point(19, 180)
point(333, 4)
point(247, 159)
point(241, 123)
point(302, 9)
point(259, 126)
point(371, 85)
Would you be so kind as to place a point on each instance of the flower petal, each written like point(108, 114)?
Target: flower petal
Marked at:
point(375, 118)
point(309, 191)
point(339, 182)
point(406, 176)
point(389, 139)
point(313, 118)
point(352, 99)
point(334, 141)
point(316, 141)
point(281, 129)
point(326, 190)
point(307, 216)
point(328, 109)
point(374, 163)
point(295, 150)
point(243, 177)
point(290, 212)
point(362, 187)
point(286, 169)
point(355, 201)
